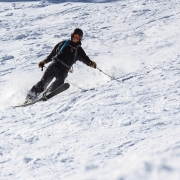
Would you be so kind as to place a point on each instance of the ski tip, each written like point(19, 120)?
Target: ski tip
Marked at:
point(66, 84)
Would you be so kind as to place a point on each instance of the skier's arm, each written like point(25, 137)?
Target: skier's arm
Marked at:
point(83, 57)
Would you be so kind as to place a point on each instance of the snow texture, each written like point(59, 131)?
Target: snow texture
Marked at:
point(123, 129)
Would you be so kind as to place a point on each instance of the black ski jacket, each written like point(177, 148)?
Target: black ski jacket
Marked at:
point(69, 55)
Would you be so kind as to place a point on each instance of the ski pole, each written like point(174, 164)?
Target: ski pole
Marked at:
point(76, 86)
point(42, 68)
point(106, 74)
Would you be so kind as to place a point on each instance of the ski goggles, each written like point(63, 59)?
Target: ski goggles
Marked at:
point(77, 36)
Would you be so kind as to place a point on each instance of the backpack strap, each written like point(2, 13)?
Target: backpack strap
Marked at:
point(61, 50)
point(63, 46)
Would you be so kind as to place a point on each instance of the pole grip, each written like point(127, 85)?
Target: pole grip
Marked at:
point(43, 67)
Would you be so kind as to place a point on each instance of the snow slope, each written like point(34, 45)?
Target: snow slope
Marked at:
point(121, 129)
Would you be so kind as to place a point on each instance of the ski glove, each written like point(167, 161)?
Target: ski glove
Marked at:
point(92, 64)
point(41, 64)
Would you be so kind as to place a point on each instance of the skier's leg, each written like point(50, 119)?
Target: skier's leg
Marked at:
point(42, 84)
point(60, 77)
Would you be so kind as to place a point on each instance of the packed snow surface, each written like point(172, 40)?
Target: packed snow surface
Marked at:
point(99, 129)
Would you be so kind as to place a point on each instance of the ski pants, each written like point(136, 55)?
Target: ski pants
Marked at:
point(51, 72)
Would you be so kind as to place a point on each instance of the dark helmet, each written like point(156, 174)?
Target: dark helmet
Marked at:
point(77, 31)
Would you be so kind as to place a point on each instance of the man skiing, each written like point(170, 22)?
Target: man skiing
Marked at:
point(63, 56)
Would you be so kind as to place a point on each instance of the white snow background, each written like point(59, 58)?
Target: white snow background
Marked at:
point(125, 129)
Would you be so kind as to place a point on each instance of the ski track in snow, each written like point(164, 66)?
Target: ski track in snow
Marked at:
point(121, 129)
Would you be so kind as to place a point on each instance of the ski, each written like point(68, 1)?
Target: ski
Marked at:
point(60, 89)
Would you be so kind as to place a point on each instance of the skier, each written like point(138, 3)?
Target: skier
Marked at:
point(63, 56)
